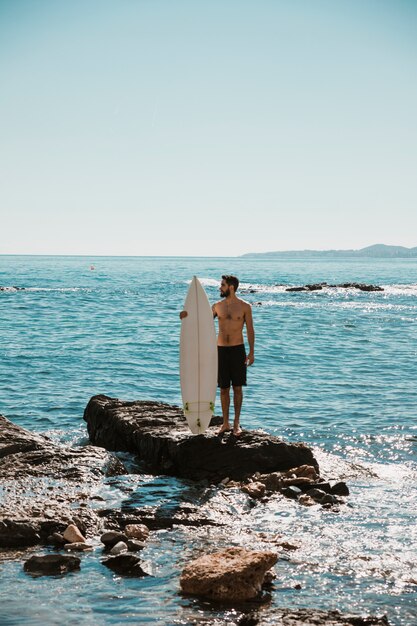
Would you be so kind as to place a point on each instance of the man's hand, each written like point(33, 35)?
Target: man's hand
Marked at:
point(250, 359)
point(183, 314)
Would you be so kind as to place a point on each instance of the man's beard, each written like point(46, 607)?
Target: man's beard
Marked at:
point(225, 293)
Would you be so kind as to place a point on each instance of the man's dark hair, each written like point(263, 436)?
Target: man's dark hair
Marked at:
point(231, 280)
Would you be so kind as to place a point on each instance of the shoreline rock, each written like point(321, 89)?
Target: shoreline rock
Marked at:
point(158, 434)
point(320, 286)
point(51, 564)
point(45, 486)
point(232, 575)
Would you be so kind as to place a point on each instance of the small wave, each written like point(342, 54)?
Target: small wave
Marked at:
point(59, 289)
point(207, 282)
point(362, 306)
point(401, 290)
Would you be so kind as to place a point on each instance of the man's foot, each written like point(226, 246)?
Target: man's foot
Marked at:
point(237, 431)
point(224, 429)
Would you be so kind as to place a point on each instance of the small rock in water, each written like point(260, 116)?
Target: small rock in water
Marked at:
point(120, 547)
point(316, 494)
point(234, 574)
point(329, 499)
point(291, 492)
point(73, 535)
point(51, 564)
point(111, 537)
point(56, 539)
point(137, 531)
point(125, 564)
point(134, 545)
point(340, 489)
point(306, 500)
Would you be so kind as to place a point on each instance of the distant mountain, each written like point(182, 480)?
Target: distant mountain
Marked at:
point(378, 250)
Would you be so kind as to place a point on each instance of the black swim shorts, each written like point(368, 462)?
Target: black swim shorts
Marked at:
point(232, 367)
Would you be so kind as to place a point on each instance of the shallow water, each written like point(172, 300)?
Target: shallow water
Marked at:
point(334, 368)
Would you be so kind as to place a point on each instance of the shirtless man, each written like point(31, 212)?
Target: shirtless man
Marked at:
point(232, 313)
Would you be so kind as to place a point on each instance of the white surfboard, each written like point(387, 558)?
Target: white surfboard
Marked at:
point(198, 359)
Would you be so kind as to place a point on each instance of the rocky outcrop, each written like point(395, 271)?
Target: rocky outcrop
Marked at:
point(232, 575)
point(51, 564)
point(299, 483)
point(319, 286)
point(46, 486)
point(159, 435)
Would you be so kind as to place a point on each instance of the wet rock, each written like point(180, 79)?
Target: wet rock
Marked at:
point(157, 518)
point(51, 564)
point(18, 533)
point(41, 486)
point(137, 531)
point(329, 499)
point(235, 574)
point(119, 547)
point(111, 537)
point(158, 434)
point(134, 545)
point(296, 289)
point(302, 471)
point(254, 490)
point(73, 535)
point(14, 439)
point(339, 489)
point(319, 286)
point(306, 500)
point(316, 494)
point(273, 481)
point(125, 565)
point(291, 492)
point(56, 539)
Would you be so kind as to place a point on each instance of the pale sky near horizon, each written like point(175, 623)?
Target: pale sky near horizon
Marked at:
point(190, 127)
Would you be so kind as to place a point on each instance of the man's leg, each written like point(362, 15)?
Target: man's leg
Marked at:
point(225, 399)
point(237, 401)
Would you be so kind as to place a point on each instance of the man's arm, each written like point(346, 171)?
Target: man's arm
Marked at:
point(251, 334)
point(213, 308)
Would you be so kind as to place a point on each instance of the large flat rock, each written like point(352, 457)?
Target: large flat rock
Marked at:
point(159, 435)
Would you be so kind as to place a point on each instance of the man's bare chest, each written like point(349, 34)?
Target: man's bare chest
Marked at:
point(230, 313)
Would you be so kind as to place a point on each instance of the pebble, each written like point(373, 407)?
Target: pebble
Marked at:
point(56, 539)
point(134, 545)
point(119, 548)
point(137, 531)
point(111, 537)
point(73, 535)
point(291, 492)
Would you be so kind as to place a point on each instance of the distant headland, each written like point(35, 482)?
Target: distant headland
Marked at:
point(378, 251)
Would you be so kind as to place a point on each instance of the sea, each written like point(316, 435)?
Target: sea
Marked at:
point(335, 368)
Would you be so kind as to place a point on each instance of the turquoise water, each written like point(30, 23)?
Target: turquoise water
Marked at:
point(334, 368)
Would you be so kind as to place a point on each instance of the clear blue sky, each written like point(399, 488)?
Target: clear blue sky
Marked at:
point(209, 127)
